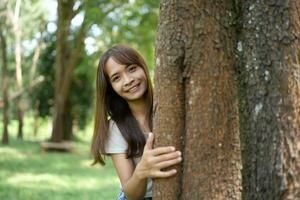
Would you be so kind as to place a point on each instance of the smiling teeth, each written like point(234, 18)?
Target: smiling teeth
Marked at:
point(132, 89)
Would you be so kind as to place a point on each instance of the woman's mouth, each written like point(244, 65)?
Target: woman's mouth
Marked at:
point(134, 88)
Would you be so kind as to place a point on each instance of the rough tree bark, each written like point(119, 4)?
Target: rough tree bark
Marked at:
point(195, 99)
point(168, 96)
point(269, 91)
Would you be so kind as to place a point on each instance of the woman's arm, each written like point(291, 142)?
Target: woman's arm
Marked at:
point(134, 187)
point(134, 180)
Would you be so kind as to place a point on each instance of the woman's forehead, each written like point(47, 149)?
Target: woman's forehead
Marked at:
point(112, 66)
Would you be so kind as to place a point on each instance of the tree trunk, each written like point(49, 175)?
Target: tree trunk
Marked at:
point(169, 116)
point(36, 123)
point(195, 99)
point(66, 60)
point(19, 82)
point(20, 113)
point(4, 84)
point(269, 92)
point(62, 55)
point(68, 132)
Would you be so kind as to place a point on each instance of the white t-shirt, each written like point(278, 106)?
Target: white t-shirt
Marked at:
point(116, 143)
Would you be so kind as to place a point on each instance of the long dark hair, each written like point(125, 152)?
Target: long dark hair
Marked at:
point(110, 104)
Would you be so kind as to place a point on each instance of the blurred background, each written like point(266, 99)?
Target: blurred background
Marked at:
point(48, 56)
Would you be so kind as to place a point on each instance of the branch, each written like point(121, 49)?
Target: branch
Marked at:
point(37, 53)
point(34, 83)
point(75, 12)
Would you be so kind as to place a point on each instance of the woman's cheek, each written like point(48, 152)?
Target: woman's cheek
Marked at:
point(115, 87)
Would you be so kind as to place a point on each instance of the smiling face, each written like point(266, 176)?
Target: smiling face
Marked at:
point(128, 81)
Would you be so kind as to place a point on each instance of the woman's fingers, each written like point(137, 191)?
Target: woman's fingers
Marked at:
point(164, 174)
point(167, 156)
point(149, 142)
point(168, 163)
point(162, 150)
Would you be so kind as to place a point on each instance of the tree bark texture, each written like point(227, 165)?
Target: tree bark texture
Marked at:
point(269, 92)
point(4, 83)
point(195, 99)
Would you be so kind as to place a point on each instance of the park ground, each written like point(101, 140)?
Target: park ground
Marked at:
point(28, 173)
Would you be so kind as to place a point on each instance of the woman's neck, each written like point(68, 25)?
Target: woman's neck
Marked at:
point(139, 110)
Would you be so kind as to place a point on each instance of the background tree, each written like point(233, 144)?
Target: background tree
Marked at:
point(4, 78)
point(65, 61)
point(195, 100)
point(19, 79)
point(269, 93)
point(17, 58)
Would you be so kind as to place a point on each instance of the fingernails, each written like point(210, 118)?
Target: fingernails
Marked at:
point(179, 153)
point(174, 170)
point(172, 148)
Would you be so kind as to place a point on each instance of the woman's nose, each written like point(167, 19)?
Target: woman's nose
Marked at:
point(127, 79)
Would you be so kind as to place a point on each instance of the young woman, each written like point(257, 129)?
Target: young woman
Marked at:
point(123, 124)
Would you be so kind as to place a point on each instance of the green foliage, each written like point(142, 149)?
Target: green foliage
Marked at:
point(33, 18)
point(108, 22)
point(43, 94)
point(133, 23)
point(82, 92)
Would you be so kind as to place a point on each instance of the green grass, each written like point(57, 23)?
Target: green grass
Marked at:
point(28, 173)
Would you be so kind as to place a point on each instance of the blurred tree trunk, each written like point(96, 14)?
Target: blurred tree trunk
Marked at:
point(36, 122)
point(195, 101)
point(269, 91)
point(19, 81)
point(4, 83)
point(32, 74)
point(66, 60)
point(68, 133)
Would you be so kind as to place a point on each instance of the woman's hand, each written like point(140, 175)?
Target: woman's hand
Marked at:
point(154, 160)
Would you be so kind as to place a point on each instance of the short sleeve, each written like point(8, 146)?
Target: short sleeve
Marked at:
point(115, 142)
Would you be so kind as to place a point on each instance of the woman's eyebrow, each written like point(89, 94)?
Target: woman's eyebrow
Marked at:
point(128, 65)
point(114, 74)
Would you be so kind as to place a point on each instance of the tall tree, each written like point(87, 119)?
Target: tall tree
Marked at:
point(68, 55)
point(269, 91)
point(4, 77)
point(19, 79)
point(195, 99)
point(65, 61)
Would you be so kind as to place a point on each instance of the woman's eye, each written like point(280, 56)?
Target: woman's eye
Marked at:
point(116, 78)
point(132, 68)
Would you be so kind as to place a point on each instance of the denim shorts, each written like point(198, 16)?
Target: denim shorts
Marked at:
point(121, 196)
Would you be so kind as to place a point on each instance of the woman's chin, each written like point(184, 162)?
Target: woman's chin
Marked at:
point(135, 97)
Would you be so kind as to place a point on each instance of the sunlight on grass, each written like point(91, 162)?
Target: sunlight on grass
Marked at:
point(60, 182)
point(11, 152)
point(28, 178)
point(85, 163)
point(27, 173)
